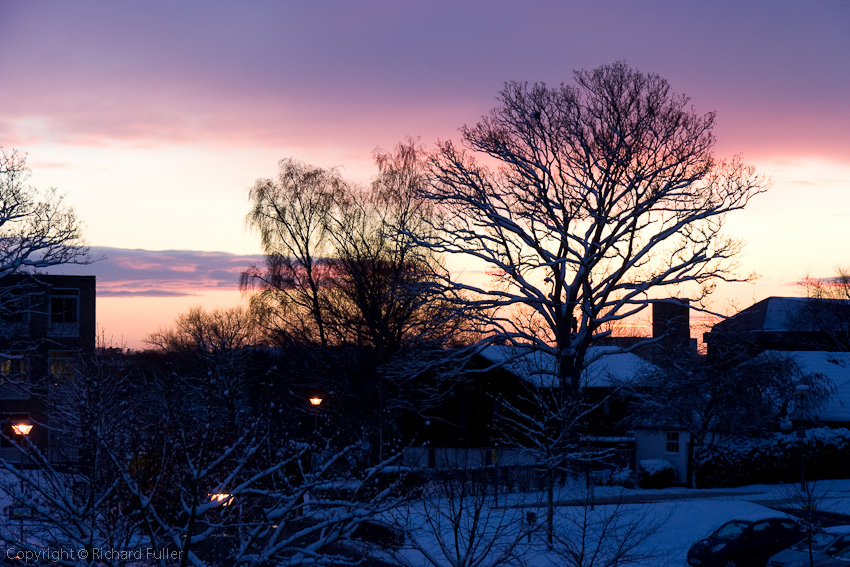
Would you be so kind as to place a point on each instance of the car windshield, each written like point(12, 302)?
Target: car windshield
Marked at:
point(819, 541)
point(732, 530)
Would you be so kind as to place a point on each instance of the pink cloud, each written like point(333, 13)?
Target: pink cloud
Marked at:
point(297, 74)
point(170, 273)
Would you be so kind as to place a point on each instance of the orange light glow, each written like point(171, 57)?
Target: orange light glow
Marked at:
point(22, 428)
point(225, 498)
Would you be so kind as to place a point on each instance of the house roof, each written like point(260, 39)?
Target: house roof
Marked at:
point(833, 365)
point(779, 314)
point(606, 367)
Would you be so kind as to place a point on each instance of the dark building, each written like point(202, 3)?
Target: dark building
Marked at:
point(46, 323)
point(784, 324)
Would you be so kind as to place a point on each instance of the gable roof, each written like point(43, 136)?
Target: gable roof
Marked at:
point(833, 365)
point(606, 367)
point(780, 314)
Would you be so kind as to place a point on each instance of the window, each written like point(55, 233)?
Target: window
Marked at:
point(12, 366)
point(14, 308)
point(61, 362)
point(64, 305)
point(65, 312)
point(672, 442)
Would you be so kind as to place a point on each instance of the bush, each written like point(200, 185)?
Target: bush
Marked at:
point(775, 459)
point(656, 473)
point(624, 477)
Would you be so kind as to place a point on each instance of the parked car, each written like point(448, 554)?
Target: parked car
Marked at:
point(744, 543)
point(840, 559)
point(825, 546)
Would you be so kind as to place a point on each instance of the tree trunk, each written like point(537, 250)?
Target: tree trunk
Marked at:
point(550, 508)
point(689, 472)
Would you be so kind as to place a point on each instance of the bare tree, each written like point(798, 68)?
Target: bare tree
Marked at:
point(457, 523)
point(291, 216)
point(341, 265)
point(607, 535)
point(212, 351)
point(145, 468)
point(606, 193)
point(37, 229)
point(76, 497)
point(346, 283)
point(828, 309)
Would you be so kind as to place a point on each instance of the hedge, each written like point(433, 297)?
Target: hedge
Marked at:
point(775, 459)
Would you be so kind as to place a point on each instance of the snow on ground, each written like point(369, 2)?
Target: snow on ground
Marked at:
point(690, 515)
point(683, 516)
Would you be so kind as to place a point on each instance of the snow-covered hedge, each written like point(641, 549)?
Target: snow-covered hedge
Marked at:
point(656, 473)
point(774, 459)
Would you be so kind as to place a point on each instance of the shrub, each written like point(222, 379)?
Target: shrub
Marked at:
point(656, 473)
point(774, 459)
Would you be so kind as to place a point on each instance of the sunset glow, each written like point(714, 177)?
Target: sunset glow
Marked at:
point(156, 118)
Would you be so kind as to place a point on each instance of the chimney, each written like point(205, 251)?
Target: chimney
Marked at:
point(671, 320)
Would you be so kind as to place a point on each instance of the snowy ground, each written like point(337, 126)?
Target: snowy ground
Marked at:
point(684, 516)
point(693, 514)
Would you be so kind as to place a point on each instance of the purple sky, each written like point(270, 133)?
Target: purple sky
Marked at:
point(156, 117)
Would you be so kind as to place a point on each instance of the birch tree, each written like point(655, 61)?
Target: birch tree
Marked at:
point(584, 201)
point(345, 282)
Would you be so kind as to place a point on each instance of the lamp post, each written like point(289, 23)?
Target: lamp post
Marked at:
point(802, 390)
point(22, 429)
point(316, 401)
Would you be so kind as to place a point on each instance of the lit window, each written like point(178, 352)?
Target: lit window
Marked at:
point(672, 441)
point(12, 365)
point(61, 362)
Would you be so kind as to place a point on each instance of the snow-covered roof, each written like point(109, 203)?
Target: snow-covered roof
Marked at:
point(833, 365)
point(605, 366)
point(781, 314)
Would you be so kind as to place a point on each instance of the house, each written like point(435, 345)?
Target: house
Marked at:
point(811, 332)
point(464, 429)
point(786, 324)
point(503, 381)
point(835, 367)
point(46, 323)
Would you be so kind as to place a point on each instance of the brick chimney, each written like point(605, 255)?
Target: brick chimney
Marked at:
point(671, 320)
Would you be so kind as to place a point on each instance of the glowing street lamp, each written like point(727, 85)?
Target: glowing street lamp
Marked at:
point(227, 499)
point(22, 428)
point(316, 401)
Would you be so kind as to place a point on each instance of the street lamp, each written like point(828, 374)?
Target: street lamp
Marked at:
point(223, 497)
point(23, 429)
point(316, 401)
point(802, 390)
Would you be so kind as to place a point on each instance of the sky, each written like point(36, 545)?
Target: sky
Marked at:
point(155, 118)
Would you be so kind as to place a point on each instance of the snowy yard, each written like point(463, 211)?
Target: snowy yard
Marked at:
point(451, 529)
point(681, 516)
